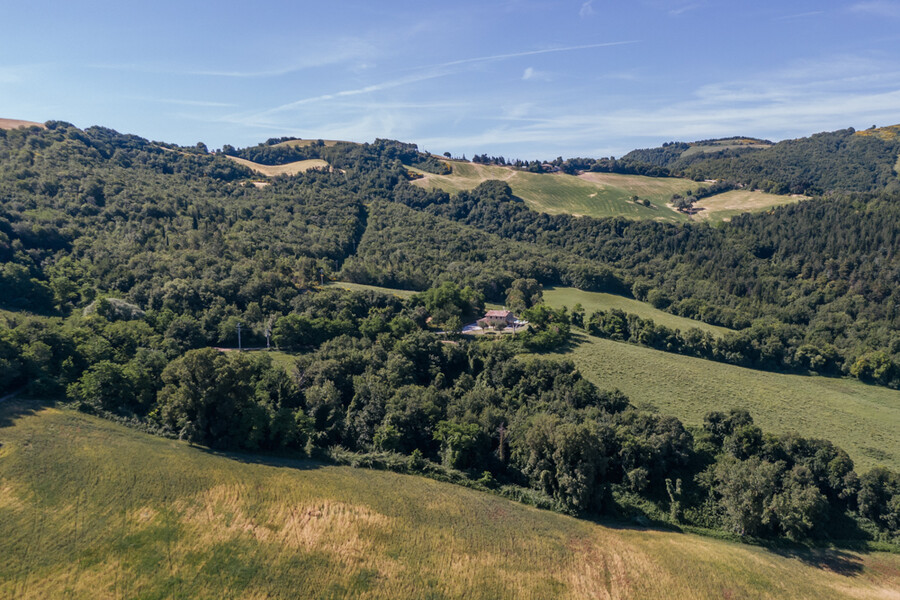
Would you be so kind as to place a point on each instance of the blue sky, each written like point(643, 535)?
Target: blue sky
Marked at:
point(520, 78)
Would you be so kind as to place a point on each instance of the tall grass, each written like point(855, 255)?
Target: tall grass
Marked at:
point(89, 509)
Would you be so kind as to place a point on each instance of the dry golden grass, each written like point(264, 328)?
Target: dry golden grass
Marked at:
point(724, 206)
point(16, 123)
point(301, 166)
point(889, 133)
point(106, 512)
point(306, 143)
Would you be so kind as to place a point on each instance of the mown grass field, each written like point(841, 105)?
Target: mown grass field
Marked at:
point(300, 166)
point(594, 301)
point(722, 207)
point(89, 509)
point(864, 420)
point(603, 194)
point(591, 194)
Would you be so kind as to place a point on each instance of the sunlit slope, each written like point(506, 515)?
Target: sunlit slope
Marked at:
point(862, 419)
point(592, 194)
point(300, 166)
point(89, 509)
point(596, 301)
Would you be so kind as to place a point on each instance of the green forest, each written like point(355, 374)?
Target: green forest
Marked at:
point(128, 267)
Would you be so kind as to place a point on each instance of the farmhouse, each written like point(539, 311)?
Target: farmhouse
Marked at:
point(495, 318)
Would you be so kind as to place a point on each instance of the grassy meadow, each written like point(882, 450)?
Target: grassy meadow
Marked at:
point(862, 419)
point(90, 509)
point(300, 166)
point(591, 194)
point(594, 301)
point(601, 194)
point(722, 207)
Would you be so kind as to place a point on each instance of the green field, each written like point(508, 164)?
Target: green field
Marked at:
point(90, 509)
point(591, 194)
point(594, 301)
point(862, 419)
point(601, 194)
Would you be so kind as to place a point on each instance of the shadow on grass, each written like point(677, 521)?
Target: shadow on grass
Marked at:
point(835, 560)
point(18, 407)
point(298, 462)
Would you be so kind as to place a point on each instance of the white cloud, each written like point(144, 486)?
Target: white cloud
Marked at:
point(878, 8)
point(587, 9)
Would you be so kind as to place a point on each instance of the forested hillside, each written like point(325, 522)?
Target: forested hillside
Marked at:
point(837, 161)
point(125, 263)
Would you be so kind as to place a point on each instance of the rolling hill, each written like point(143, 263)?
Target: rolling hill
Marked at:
point(90, 509)
point(593, 194)
point(862, 419)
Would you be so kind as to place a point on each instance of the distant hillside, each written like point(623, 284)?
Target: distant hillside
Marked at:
point(836, 161)
point(669, 154)
point(90, 509)
point(598, 194)
point(16, 124)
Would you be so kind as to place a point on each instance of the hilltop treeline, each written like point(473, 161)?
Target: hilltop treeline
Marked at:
point(341, 155)
point(837, 161)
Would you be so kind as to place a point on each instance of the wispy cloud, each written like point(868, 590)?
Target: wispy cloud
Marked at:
point(339, 52)
point(497, 57)
point(802, 15)
point(180, 102)
point(794, 101)
point(684, 8)
point(587, 9)
point(878, 8)
point(531, 74)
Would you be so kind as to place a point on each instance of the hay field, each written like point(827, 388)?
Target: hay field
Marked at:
point(724, 206)
point(862, 419)
point(594, 301)
point(300, 166)
point(590, 194)
point(16, 123)
point(89, 509)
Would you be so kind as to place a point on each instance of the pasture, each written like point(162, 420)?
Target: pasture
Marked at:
point(17, 123)
point(862, 419)
point(722, 207)
point(300, 166)
point(603, 194)
point(594, 301)
point(590, 194)
point(90, 509)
